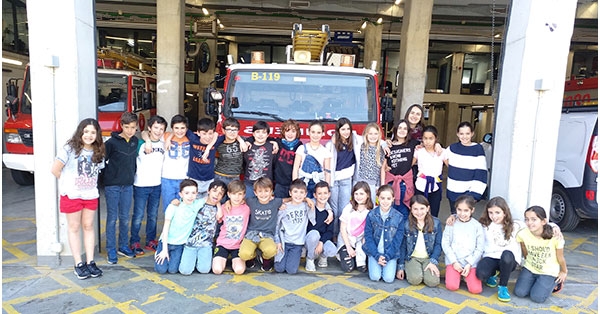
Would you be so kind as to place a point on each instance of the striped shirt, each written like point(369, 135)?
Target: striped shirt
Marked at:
point(467, 170)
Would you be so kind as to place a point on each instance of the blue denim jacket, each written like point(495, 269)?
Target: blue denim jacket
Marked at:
point(433, 243)
point(393, 232)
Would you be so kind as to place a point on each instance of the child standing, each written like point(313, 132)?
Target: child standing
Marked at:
point(370, 158)
point(263, 221)
point(312, 161)
point(175, 164)
point(291, 230)
point(397, 170)
point(352, 229)
point(319, 232)
point(467, 168)
point(119, 174)
point(179, 220)
point(545, 268)
point(76, 167)
point(422, 245)
point(229, 154)
point(414, 116)
point(284, 167)
point(233, 229)
point(430, 164)
point(201, 169)
point(146, 185)
point(258, 160)
point(197, 251)
point(384, 232)
point(463, 246)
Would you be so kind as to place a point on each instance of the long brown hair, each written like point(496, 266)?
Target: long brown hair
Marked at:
point(420, 123)
point(339, 141)
point(412, 221)
point(547, 232)
point(507, 223)
point(77, 144)
point(365, 187)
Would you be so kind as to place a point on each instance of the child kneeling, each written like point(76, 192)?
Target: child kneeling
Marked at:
point(320, 229)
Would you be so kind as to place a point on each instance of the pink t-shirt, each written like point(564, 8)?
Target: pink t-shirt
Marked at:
point(234, 227)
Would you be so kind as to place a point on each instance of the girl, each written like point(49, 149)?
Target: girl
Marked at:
point(283, 168)
point(501, 252)
point(370, 158)
point(467, 168)
point(545, 268)
point(76, 167)
point(414, 116)
point(384, 231)
point(422, 245)
point(313, 162)
point(343, 161)
point(396, 169)
point(352, 227)
point(463, 246)
point(430, 164)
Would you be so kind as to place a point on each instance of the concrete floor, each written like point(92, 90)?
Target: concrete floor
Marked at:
point(131, 286)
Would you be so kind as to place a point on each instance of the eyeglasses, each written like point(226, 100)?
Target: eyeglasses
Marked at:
point(231, 130)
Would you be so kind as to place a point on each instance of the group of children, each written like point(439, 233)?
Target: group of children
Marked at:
point(211, 215)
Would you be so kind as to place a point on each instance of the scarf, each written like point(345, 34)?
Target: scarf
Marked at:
point(289, 145)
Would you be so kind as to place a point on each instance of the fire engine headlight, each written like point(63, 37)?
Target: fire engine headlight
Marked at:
point(13, 138)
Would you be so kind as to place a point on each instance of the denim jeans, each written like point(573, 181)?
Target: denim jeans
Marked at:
point(196, 257)
point(434, 198)
point(118, 205)
point(387, 272)
point(283, 191)
point(145, 199)
point(312, 240)
point(538, 287)
point(225, 180)
point(291, 259)
point(341, 192)
point(169, 190)
point(402, 208)
point(170, 265)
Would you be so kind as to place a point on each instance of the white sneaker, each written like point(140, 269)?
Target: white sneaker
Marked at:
point(322, 261)
point(310, 265)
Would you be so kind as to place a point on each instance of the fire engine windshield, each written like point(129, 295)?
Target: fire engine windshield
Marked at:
point(304, 96)
point(112, 92)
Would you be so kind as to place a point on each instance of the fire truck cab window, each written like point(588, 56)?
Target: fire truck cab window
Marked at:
point(112, 92)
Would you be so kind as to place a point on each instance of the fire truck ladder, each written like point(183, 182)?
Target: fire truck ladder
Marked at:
point(313, 41)
point(129, 60)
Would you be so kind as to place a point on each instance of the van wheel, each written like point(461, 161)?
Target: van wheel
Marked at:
point(22, 177)
point(562, 212)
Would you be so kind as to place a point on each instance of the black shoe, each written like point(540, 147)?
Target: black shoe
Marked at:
point(250, 263)
point(81, 271)
point(362, 269)
point(94, 270)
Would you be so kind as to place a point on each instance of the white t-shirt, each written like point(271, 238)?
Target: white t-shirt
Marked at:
point(355, 224)
point(79, 176)
point(149, 166)
point(430, 164)
point(175, 164)
point(320, 154)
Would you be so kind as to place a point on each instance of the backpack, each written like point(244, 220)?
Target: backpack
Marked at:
point(311, 168)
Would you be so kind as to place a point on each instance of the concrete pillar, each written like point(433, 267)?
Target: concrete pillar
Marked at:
point(63, 82)
point(170, 57)
point(372, 50)
point(414, 45)
point(529, 102)
point(452, 121)
point(233, 50)
point(456, 72)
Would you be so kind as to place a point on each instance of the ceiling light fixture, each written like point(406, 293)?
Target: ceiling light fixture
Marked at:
point(221, 26)
point(218, 21)
point(379, 20)
point(11, 61)
point(364, 24)
point(497, 35)
point(448, 56)
point(205, 11)
point(397, 2)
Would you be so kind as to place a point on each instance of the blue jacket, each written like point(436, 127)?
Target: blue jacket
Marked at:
point(433, 243)
point(393, 233)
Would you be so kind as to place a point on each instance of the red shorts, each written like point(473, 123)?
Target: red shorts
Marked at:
point(69, 206)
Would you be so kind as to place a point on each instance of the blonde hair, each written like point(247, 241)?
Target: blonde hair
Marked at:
point(365, 147)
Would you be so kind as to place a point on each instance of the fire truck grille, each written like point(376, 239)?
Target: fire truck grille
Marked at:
point(27, 137)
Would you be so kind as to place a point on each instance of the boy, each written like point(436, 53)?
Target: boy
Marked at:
point(200, 169)
point(230, 161)
point(179, 220)
point(121, 154)
point(197, 252)
point(233, 229)
point(261, 227)
point(259, 158)
point(146, 185)
point(319, 232)
point(291, 230)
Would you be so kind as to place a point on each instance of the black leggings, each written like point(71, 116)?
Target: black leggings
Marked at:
point(488, 266)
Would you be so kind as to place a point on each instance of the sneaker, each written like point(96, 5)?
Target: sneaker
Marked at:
point(125, 251)
point(151, 245)
point(310, 265)
point(503, 294)
point(267, 264)
point(492, 282)
point(137, 249)
point(362, 269)
point(322, 261)
point(81, 271)
point(94, 270)
point(250, 263)
point(558, 288)
point(112, 256)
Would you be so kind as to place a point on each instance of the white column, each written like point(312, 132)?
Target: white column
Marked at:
point(63, 83)
point(170, 57)
point(529, 102)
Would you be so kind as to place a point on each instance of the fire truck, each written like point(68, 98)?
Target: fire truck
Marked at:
point(125, 83)
point(312, 85)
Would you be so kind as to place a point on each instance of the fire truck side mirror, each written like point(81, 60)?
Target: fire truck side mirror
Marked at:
point(12, 105)
point(387, 109)
point(147, 96)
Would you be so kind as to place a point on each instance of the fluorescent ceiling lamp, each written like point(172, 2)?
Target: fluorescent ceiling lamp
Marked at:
point(497, 35)
point(11, 61)
point(448, 56)
point(397, 2)
point(363, 25)
point(379, 20)
point(221, 26)
point(218, 21)
point(205, 11)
